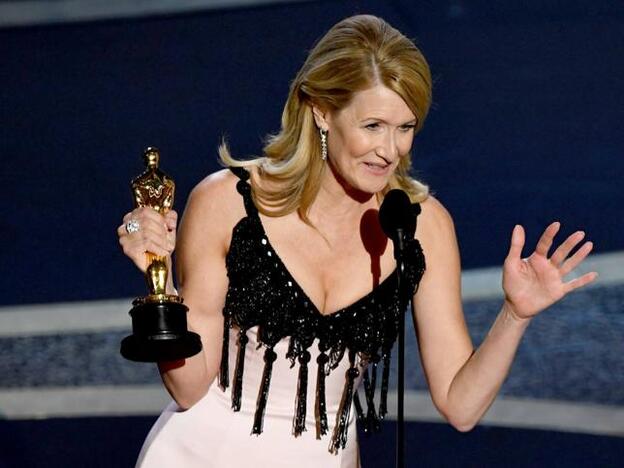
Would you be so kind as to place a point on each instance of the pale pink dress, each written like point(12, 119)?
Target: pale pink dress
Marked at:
point(210, 434)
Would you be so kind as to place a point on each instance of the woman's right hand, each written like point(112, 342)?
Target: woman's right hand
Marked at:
point(156, 234)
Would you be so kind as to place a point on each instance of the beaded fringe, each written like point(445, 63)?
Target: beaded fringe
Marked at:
point(339, 437)
point(372, 420)
point(302, 391)
point(269, 358)
point(383, 405)
point(320, 407)
point(369, 421)
point(359, 411)
point(224, 370)
point(237, 389)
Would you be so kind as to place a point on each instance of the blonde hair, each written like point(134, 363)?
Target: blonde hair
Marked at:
point(356, 54)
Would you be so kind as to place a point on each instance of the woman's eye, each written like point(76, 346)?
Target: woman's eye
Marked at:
point(407, 128)
point(372, 126)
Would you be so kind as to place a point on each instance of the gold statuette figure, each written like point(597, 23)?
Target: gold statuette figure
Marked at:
point(159, 330)
point(155, 189)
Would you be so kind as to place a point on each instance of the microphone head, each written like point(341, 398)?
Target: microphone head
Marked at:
point(396, 215)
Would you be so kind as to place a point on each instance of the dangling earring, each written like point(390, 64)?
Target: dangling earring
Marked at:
point(323, 133)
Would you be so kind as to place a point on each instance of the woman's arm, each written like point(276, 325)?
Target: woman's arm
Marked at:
point(212, 209)
point(463, 381)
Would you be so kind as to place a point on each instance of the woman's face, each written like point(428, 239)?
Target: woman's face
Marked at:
point(367, 138)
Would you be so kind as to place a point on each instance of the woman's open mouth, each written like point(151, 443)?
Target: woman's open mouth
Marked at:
point(377, 169)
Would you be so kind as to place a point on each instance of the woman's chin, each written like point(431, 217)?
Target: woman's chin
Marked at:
point(377, 183)
point(362, 184)
point(371, 187)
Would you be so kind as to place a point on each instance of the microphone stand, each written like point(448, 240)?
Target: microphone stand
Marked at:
point(400, 430)
point(397, 217)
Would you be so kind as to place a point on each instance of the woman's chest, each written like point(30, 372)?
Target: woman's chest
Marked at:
point(334, 268)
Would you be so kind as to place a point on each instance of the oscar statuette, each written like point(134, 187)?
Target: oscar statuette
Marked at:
point(159, 327)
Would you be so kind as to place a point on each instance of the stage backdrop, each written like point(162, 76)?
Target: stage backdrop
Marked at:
point(525, 125)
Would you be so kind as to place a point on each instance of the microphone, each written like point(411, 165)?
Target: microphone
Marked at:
point(397, 219)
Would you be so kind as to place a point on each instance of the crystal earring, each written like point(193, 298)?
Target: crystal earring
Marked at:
point(323, 133)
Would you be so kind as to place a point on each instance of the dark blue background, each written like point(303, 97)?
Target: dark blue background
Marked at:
point(526, 125)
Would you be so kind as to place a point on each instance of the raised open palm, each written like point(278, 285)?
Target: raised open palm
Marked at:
point(534, 283)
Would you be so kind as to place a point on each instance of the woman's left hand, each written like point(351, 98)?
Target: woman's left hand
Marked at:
point(534, 283)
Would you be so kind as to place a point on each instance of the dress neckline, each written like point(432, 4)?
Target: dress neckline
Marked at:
point(306, 298)
point(251, 213)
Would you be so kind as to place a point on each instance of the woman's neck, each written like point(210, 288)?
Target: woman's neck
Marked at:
point(336, 200)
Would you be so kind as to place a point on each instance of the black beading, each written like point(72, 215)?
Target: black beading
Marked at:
point(263, 293)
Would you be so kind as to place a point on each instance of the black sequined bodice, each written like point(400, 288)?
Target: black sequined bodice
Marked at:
point(263, 293)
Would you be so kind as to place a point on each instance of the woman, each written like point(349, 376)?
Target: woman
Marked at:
point(290, 281)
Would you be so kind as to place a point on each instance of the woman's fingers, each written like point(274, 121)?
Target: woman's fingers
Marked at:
point(546, 240)
point(136, 247)
point(155, 234)
point(144, 213)
point(154, 237)
point(581, 281)
point(562, 252)
point(150, 231)
point(517, 242)
point(121, 230)
point(574, 261)
point(171, 220)
point(150, 220)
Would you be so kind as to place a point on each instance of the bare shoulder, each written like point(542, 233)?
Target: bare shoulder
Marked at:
point(213, 208)
point(434, 218)
point(217, 191)
point(441, 282)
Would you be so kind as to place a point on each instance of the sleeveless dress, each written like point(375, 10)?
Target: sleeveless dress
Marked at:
point(286, 391)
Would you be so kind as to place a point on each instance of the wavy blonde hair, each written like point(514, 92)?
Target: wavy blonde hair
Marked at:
point(356, 54)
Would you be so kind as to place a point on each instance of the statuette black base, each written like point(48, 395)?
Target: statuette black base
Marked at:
point(159, 333)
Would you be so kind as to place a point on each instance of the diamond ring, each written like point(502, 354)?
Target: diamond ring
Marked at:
point(132, 226)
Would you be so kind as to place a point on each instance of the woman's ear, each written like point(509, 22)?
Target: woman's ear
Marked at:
point(320, 117)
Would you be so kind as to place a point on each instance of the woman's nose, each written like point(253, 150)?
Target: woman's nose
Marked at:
point(387, 148)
